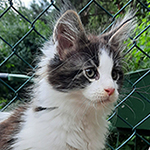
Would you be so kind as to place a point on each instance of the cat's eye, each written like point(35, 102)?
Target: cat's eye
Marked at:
point(115, 75)
point(91, 73)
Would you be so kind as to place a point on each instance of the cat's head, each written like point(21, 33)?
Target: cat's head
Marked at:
point(88, 64)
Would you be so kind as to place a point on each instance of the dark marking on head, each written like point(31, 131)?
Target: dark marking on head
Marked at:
point(76, 51)
point(65, 75)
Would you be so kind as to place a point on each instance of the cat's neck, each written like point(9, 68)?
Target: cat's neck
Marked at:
point(71, 103)
point(74, 119)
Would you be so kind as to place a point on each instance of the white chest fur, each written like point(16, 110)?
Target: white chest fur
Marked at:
point(59, 129)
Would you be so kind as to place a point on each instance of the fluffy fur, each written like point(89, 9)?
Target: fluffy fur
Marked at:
point(77, 85)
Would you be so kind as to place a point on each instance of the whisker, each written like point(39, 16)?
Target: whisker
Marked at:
point(96, 115)
point(137, 98)
point(84, 109)
point(130, 109)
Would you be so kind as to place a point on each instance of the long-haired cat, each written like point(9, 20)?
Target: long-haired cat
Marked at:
point(77, 85)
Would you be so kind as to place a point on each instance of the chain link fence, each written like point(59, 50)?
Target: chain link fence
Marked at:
point(130, 120)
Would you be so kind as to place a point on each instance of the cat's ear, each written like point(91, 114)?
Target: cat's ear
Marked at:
point(67, 31)
point(121, 31)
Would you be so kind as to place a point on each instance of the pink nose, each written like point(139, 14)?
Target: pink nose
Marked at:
point(110, 91)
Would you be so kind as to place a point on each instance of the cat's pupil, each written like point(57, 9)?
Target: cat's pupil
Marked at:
point(115, 75)
point(91, 73)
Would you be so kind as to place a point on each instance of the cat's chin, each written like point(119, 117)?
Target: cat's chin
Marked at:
point(104, 102)
point(98, 103)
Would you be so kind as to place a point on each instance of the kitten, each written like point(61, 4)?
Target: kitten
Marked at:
point(77, 85)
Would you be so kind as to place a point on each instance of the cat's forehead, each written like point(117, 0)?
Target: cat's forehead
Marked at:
point(97, 49)
point(102, 44)
point(89, 54)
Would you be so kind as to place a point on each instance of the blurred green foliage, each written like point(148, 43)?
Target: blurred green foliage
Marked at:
point(13, 28)
point(136, 59)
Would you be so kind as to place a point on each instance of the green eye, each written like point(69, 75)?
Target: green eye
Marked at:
point(91, 73)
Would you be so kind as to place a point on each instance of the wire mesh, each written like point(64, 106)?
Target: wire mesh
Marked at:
point(131, 118)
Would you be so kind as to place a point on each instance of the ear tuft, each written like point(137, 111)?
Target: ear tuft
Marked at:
point(121, 31)
point(67, 31)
